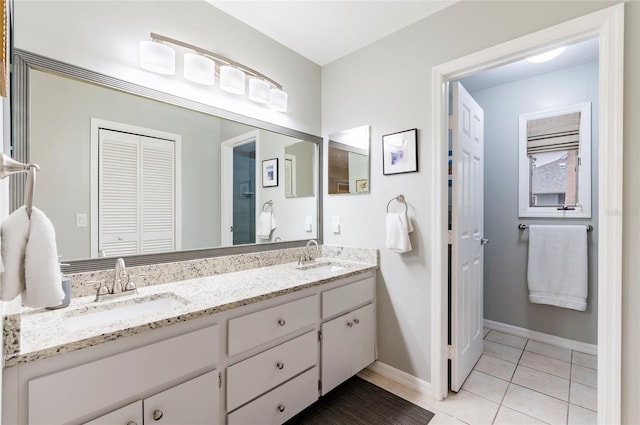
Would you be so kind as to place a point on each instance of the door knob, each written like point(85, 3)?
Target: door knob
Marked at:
point(157, 414)
point(484, 241)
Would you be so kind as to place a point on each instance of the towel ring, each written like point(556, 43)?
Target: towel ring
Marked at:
point(400, 199)
point(267, 205)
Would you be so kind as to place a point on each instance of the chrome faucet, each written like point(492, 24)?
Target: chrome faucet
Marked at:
point(308, 256)
point(123, 283)
point(119, 274)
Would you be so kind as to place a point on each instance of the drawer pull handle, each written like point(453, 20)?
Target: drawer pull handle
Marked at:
point(281, 322)
point(157, 414)
point(280, 365)
point(281, 408)
point(356, 320)
point(349, 324)
point(132, 423)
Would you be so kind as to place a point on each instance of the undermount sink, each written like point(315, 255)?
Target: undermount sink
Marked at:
point(318, 268)
point(96, 315)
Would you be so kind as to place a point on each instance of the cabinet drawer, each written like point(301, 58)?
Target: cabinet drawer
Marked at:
point(257, 328)
point(347, 297)
point(281, 404)
point(258, 374)
point(113, 379)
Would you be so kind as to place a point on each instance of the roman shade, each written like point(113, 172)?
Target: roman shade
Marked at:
point(555, 133)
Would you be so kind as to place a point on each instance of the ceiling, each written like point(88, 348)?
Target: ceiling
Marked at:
point(325, 30)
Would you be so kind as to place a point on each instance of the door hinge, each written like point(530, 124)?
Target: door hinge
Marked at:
point(449, 237)
point(319, 385)
point(449, 352)
point(219, 379)
point(452, 122)
point(319, 336)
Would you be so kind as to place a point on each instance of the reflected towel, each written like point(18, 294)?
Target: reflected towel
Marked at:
point(557, 269)
point(398, 229)
point(266, 225)
point(30, 260)
point(15, 233)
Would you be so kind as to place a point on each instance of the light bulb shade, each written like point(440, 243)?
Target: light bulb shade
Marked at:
point(232, 79)
point(547, 56)
point(259, 90)
point(157, 57)
point(199, 69)
point(278, 100)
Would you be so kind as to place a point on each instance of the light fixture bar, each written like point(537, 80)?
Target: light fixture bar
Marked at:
point(216, 57)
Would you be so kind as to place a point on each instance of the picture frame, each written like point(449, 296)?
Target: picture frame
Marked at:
point(362, 185)
point(400, 152)
point(270, 172)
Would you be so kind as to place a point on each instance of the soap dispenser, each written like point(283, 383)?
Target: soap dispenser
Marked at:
point(65, 281)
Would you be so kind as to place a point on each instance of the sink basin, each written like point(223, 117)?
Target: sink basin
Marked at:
point(319, 268)
point(96, 315)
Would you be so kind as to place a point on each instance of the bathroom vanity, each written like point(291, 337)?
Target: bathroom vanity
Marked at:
point(247, 347)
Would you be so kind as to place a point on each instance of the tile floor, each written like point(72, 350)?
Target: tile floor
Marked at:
point(516, 381)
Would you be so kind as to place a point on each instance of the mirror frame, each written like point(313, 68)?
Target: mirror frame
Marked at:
point(24, 61)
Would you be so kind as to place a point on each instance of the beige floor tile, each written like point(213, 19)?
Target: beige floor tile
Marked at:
point(495, 367)
point(468, 407)
point(442, 418)
point(537, 405)
point(584, 396)
point(584, 375)
point(486, 386)
point(586, 360)
point(501, 351)
point(546, 364)
point(542, 382)
point(506, 339)
point(552, 351)
point(508, 416)
point(581, 416)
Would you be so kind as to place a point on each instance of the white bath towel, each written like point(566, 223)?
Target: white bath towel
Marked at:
point(398, 229)
point(30, 260)
point(266, 225)
point(15, 232)
point(42, 271)
point(557, 270)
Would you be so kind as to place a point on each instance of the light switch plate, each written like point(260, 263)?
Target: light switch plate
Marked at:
point(81, 220)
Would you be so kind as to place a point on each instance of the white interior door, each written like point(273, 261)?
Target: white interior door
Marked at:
point(467, 235)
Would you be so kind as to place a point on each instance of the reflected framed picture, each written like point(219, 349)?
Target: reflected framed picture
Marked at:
point(270, 172)
point(362, 185)
point(400, 152)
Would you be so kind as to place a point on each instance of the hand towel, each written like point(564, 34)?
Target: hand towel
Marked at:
point(266, 225)
point(15, 232)
point(398, 229)
point(557, 269)
point(43, 287)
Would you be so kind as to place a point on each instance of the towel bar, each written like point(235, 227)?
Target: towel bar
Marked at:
point(400, 199)
point(525, 227)
point(10, 166)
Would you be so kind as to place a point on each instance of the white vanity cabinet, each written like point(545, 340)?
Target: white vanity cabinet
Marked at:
point(127, 415)
point(348, 341)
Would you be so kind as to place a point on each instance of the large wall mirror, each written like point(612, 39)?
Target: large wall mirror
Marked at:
point(130, 172)
point(349, 160)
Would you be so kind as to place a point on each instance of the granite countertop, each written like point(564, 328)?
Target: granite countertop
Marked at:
point(41, 333)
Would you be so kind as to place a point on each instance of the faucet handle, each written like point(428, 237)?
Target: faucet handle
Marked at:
point(131, 285)
point(102, 289)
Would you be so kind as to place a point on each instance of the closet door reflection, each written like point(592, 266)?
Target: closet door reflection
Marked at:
point(244, 198)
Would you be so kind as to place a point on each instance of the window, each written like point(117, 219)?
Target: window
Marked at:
point(555, 162)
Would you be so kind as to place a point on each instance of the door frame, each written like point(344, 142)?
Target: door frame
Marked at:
point(608, 25)
point(226, 179)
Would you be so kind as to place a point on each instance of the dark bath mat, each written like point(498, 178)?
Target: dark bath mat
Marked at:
point(358, 402)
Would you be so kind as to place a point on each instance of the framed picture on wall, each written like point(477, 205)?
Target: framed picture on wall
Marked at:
point(400, 152)
point(362, 185)
point(270, 172)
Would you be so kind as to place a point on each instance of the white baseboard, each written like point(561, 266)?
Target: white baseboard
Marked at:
point(542, 337)
point(401, 377)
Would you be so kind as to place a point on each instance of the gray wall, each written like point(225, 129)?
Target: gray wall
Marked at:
point(60, 131)
point(505, 258)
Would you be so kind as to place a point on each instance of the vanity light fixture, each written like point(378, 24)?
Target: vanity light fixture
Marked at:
point(546, 56)
point(199, 69)
point(157, 57)
point(201, 66)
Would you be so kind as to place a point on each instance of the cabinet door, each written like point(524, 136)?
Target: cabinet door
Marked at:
point(347, 346)
point(336, 357)
point(127, 415)
point(195, 402)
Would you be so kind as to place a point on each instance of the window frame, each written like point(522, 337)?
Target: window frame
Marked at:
point(583, 210)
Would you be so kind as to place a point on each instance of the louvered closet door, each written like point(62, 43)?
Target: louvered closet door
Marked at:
point(118, 204)
point(158, 195)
